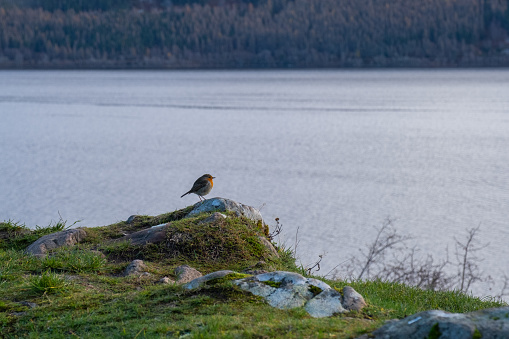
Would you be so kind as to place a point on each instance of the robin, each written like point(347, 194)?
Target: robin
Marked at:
point(202, 186)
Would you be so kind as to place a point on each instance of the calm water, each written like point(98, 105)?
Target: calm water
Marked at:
point(332, 153)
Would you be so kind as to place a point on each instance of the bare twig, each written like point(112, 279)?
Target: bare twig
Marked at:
point(469, 271)
point(386, 238)
point(277, 230)
point(316, 264)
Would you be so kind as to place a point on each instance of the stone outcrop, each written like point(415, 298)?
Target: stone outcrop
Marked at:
point(186, 274)
point(214, 217)
point(136, 267)
point(165, 280)
point(489, 323)
point(41, 246)
point(224, 205)
point(286, 290)
point(265, 242)
point(151, 235)
point(202, 280)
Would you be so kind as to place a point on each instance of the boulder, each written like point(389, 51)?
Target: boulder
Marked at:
point(223, 205)
point(325, 304)
point(265, 242)
point(214, 217)
point(186, 274)
point(202, 280)
point(489, 323)
point(151, 235)
point(352, 300)
point(286, 290)
point(70, 237)
point(136, 267)
point(165, 281)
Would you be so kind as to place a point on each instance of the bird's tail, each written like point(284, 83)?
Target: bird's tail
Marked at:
point(185, 194)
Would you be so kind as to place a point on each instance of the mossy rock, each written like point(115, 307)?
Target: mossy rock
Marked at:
point(233, 242)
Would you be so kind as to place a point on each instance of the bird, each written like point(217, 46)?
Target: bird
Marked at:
point(202, 186)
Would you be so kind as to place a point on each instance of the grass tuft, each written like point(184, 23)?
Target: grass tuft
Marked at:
point(74, 259)
point(48, 283)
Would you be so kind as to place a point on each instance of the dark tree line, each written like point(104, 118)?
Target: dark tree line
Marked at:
point(268, 33)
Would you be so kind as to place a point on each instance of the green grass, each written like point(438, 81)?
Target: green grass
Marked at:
point(14, 235)
point(75, 260)
point(48, 283)
point(81, 294)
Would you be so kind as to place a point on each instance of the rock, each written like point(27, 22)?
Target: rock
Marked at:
point(135, 267)
point(489, 323)
point(41, 246)
point(214, 217)
point(195, 283)
point(265, 242)
point(186, 274)
point(223, 205)
point(352, 300)
point(286, 290)
point(325, 304)
point(165, 280)
point(151, 235)
point(131, 219)
point(289, 297)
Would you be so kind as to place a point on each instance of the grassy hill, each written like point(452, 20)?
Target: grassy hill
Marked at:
point(81, 291)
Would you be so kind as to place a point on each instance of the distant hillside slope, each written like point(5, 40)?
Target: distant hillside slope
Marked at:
point(269, 33)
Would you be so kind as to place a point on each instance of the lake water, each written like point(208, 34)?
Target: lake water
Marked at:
point(331, 153)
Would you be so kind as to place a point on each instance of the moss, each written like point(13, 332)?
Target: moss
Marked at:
point(100, 234)
point(477, 334)
point(275, 284)
point(339, 290)
point(315, 290)
point(434, 333)
point(227, 278)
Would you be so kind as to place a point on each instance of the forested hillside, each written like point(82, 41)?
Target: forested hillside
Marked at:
point(259, 34)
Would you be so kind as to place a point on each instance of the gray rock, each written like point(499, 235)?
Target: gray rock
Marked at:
point(151, 235)
point(253, 285)
point(265, 242)
point(41, 246)
point(131, 219)
point(289, 296)
point(325, 304)
point(490, 323)
point(288, 290)
point(135, 267)
point(186, 274)
point(214, 217)
point(352, 300)
point(201, 280)
point(165, 280)
point(223, 205)
point(286, 278)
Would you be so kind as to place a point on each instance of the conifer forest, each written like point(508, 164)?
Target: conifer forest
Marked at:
point(253, 33)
